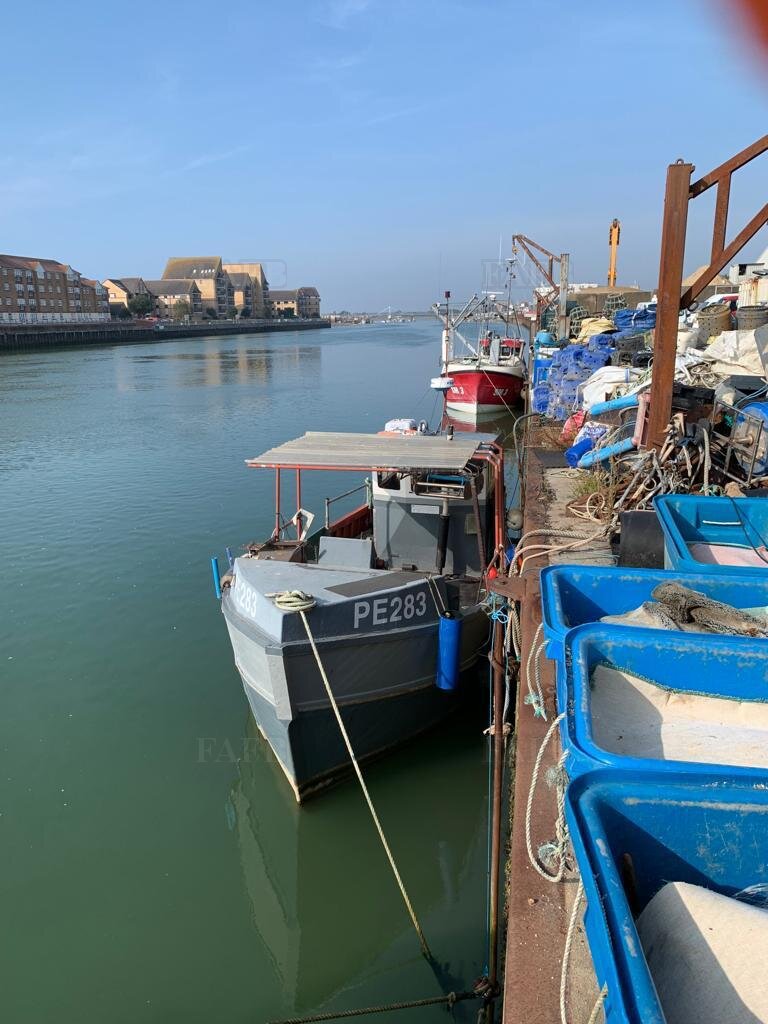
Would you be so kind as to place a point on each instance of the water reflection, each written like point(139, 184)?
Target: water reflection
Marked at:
point(324, 905)
point(214, 366)
point(500, 423)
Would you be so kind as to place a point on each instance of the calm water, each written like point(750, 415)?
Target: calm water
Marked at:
point(154, 864)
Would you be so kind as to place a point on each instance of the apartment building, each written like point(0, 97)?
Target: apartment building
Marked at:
point(208, 274)
point(242, 286)
point(166, 292)
point(299, 302)
point(259, 285)
point(46, 291)
point(121, 290)
point(95, 297)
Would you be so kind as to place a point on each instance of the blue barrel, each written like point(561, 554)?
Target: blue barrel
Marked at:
point(448, 652)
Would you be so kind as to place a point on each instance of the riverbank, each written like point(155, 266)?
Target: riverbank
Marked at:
point(22, 337)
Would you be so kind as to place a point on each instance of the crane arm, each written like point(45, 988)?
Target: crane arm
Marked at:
point(528, 245)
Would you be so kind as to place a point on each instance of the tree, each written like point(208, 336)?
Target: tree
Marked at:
point(211, 313)
point(232, 312)
point(181, 309)
point(121, 313)
point(245, 313)
point(139, 305)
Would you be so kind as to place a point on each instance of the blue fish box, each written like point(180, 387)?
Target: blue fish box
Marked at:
point(689, 520)
point(573, 595)
point(632, 835)
point(541, 368)
point(643, 700)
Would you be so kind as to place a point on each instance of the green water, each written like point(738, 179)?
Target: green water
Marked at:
point(154, 864)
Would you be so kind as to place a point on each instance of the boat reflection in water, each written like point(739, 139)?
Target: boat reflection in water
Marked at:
point(323, 901)
point(473, 422)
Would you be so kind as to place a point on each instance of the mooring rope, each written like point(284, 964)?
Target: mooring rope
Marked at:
point(566, 958)
point(298, 601)
point(557, 849)
point(533, 670)
point(451, 999)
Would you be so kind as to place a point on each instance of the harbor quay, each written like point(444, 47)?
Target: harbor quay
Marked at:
point(21, 337)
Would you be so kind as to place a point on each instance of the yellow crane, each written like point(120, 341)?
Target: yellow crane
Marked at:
point(614, 234)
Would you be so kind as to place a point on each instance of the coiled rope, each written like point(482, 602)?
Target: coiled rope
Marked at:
point(298, 601)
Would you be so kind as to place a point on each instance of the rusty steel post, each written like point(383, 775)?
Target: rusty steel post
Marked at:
point(497, 661)
point(668, 309)
point(562, 306)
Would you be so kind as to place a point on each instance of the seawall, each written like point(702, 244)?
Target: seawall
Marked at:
point(20, 337)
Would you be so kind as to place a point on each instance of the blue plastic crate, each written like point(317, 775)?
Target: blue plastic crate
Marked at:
point(728, 667)
point(631, 835)
point(541, 368)
point(690, 518)
point(573, 595)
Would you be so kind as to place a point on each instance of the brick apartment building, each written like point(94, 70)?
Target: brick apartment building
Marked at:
point(45, 291)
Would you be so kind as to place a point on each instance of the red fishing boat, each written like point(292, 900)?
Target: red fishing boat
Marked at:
point(490, 377)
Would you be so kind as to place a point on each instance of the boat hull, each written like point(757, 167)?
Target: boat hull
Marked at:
point(483, 389)
point(384, 684)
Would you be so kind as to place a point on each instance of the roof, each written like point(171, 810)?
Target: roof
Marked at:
point(170, 286)
point(718, 279)
point(31, 262)
point(191, 266)
point(320, 450)
point(240, 280)
point(253, 269)
point(284, 295)
point(308, 290)
point(128, 284)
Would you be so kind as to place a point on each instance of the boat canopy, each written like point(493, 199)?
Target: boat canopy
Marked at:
point(404, 452)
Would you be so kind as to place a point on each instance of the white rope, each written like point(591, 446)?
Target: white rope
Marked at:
point(566, 959)
point(292, 600)
point(297, 600)
point(557, 851)
point(535, 698)
point(552, 550)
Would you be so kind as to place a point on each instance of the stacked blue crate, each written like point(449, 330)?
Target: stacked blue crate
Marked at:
point(571, 366)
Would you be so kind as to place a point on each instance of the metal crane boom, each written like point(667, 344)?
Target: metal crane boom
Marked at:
point(614, 236)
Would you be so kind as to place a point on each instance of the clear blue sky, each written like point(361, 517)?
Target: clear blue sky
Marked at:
point(379, 148)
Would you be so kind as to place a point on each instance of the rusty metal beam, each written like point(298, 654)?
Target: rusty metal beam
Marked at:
point(668, 309)
point(726, 170)
point(721, 217)
point(528, 245)
point(723, 257)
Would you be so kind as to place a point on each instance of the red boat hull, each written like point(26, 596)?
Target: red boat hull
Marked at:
point(483, 390)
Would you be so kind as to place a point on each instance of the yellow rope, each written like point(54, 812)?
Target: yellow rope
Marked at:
point(424, 947)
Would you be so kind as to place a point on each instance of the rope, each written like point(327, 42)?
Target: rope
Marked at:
point(451, 999)
point(555, 850)
point(434, 589)
point(296, 600)
point(292, 600)
point(536, 700)
point(566, 958)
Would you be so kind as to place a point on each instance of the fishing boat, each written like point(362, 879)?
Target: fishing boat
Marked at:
point(490, 376)
point(393, 592)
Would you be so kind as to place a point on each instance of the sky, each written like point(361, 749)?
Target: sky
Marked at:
point(381, 150)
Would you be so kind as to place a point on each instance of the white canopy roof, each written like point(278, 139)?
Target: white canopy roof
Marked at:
point(318, 450)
